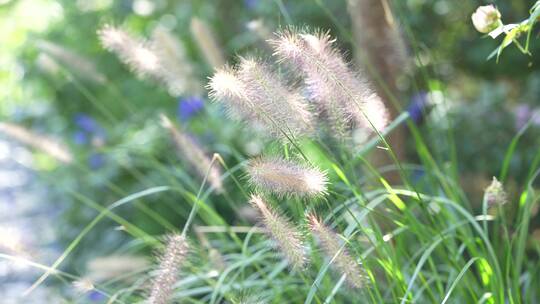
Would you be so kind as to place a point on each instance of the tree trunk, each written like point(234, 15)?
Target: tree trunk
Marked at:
point(381, 52)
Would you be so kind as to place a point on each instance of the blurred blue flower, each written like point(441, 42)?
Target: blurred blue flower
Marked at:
point(96, 160)
point(86, 123)
point(95, 296)
point(417, 175)
point(90, 134)
point(418, 106)
point(522, 113)
point(89, 131)
point(251, 4)
point(189, 106)
point(80, 138)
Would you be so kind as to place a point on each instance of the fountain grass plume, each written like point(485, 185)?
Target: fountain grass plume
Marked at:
point(162, 58)
point(285, 235)
point(194, 154)
point(252, 91)
point(343, 263)
point(171, 261)
point(48, 145)
point(286, 178)
point(206, 40)
point(136, 53)
point(495, 194)
point(343, 97)
point(175, 70)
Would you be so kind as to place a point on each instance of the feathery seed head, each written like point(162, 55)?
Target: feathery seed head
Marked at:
point(286, 178)
point(162, 58)
point(320, 42)
point(343, 97)
point(77, 63)
point(374, 112)
point(257, 94)
point(224, 85)
point(287, 45)
point(48, 145)
point(144, 59)
point(134, 52)
point(287, 238)
point(113, 38)
point(284, 110)
point(342, 263)
point(175, 70)
point(83, 285)
point(171, 262)
point(207, 42)
point(495, 194)
point(194, 154)
point(101, 269)
point(165, 121)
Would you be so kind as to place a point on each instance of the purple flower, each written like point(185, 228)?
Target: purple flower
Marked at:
point(417, 175)
point(417, 106)
point(88, 130)
point(251, 4)
point(96, 160)
point(189, 106)
point(536, 117)
point(86, 123)
point(80, 138)
point(522, 115)
point(95, 296)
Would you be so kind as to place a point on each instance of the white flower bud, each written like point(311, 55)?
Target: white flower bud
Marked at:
point(495, 194)
point(486, 18)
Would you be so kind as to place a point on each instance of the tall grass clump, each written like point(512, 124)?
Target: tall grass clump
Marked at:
point(308, 217)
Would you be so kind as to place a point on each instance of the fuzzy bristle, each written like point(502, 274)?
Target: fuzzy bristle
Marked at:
point(162, 58)
point(101, 269)
point(254, 92)
point(114, 39)
point(495, 194)
point(170, 265)
point(343, 263)
point(225, 86)
point(194, 154)
point(287, 238)
point(76, 62)
point(286, 178)
point(132, 51)
point(175, 70)
point(48, 145)
point(207, 42)
point(343, 97)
